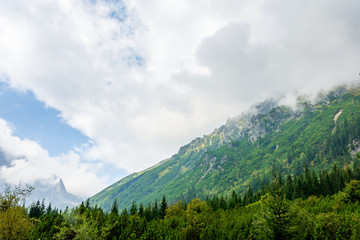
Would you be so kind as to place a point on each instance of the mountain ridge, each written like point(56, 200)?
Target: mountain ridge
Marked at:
point(219, 162)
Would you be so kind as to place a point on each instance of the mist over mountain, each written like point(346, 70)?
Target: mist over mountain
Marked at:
point(317, 132)
point(56, 195)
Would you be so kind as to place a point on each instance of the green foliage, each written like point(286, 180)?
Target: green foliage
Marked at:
point(163, 206)
point(352, 191)
point(14, 221)
point(276, 210)
point(114, 209)
point(314, 194)
point(235, 156)
point(266, 214)
point(37, 210)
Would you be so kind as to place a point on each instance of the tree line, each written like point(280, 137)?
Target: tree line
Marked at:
point(322, 205)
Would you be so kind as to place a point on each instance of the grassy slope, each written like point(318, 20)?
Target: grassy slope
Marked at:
point(252, 162)
point(211, 165)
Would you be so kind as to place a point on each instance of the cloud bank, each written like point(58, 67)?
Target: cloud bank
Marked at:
point(142, 78)
point(26, 161)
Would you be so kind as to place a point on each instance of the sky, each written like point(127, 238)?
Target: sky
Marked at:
point(93, 90)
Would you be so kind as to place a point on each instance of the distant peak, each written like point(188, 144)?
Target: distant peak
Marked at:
point(60, 185)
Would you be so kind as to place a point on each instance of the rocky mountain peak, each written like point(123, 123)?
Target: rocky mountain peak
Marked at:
point(60, 187)
point(57, 195)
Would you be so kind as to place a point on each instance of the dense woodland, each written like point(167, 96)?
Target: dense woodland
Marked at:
point(322, 205)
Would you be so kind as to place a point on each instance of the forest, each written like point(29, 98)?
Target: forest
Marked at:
point(313, 205)
point(302, 182)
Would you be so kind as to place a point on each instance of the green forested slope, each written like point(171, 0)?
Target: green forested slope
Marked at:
point(322, 205)
point(241, 153)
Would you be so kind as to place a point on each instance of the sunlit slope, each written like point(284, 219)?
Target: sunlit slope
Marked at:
point(241, 152)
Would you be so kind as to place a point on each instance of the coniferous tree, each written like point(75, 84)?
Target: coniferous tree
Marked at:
point(163, 207)
point(240, 200)
point(277, 209)
point(36, 210)
point(124, 219)
point(314, 184)
point(87, 203)
point(215, 203)
point(81, 208)
point(114, 209)
point(289, 188)
point(49, 208)
point(147, 213)
point(249, 196)
point(141, 210)
point(233, 200)
point(133, 209)
point(155, 210)
point(222, 203)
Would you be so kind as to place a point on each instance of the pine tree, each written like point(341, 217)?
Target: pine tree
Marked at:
point(124, 219)
point(249, 196)
point(222, 203)
point(36, 210)
point(87, 203)
point(114, 209)
point(155, 211)
point(289, 188)
point(49, 209)
point(233, 200)
point(277, 209)
point(133, 209)
point(147, 212)
point(215, 203)
point(163, 207)
point(141, 210)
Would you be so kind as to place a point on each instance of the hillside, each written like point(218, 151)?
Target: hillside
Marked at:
point(241, 152)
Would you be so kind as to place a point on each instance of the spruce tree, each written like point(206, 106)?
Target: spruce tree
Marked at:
point(141, 210)
point(155, 210)
point(147, 212)
point(223, 204)
point(133, 209)
point(233, 200)
point(277, 209)
point(163, 206)
point(114, 209)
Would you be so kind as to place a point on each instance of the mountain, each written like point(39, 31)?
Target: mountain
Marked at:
point(56, 195)
point(242, 152)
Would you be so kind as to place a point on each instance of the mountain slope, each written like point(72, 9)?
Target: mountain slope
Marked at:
point(241, 152)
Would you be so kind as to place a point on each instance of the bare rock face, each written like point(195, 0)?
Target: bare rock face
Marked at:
point(262, 119)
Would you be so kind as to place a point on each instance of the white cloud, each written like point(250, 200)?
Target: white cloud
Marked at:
point(28, 162)
point(292, 47)
point(143, 85)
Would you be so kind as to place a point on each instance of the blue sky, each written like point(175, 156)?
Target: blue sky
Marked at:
point(31, 119)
